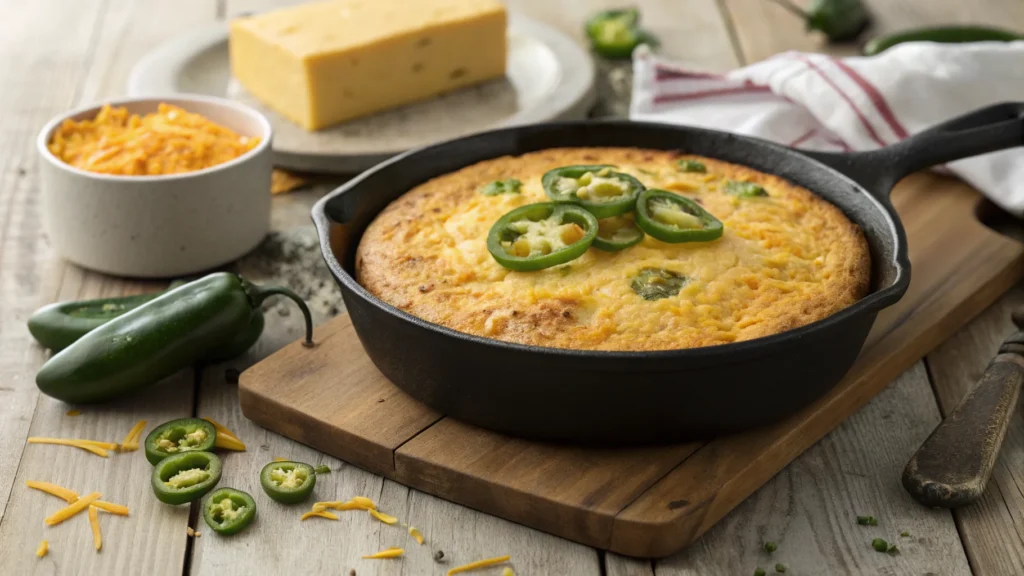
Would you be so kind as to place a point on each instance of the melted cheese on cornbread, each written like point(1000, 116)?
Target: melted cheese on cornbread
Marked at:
point(784, 261)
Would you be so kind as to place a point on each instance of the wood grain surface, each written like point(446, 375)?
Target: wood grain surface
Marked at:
point(60, 54)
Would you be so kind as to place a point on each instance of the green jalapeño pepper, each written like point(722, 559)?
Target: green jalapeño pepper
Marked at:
point(744, 189)
point(57, 326)
point(598, 189)
point(673, 218)
point(241, 342)
point(153, 341)
point(944, 34)
point(229, 511)
point(288, 482)
point(185, 476)
point(538, 236)
point(617, 233)
point(616, 33)
point(182, 435)
point(839, 20)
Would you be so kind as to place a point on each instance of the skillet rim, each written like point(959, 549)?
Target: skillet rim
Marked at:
point(873, 302)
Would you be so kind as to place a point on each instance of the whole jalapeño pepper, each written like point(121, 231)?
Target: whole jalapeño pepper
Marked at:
point(57, 326)
point(155, 340)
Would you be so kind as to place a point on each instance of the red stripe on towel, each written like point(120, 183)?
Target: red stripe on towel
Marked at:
point(876, 98)
point(677, 97)
point(863, 119)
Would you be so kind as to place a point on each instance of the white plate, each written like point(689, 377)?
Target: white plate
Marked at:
point(549, 77)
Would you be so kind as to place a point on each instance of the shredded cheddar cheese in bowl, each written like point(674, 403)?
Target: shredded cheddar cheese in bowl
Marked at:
point(168, 141)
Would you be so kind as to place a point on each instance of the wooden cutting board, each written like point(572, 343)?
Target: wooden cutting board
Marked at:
point(651, 501)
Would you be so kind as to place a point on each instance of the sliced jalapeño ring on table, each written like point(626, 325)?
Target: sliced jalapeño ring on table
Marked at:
point(597, 188)
point(185, 476)
point(229, 511)
point(617, 233)
point(673, 218)
point(538, 236)
point(178, 436)
point(288, 482)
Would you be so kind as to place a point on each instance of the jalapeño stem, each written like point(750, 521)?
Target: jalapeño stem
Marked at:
point(257, 294)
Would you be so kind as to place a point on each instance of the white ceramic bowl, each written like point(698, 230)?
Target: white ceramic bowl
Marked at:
point(160, 226)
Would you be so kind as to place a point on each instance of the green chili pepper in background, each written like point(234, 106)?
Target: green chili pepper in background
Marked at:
point(880, 545)
point(510, 186)
point(943, 34)
point(185, 476)
point(673, 218)
point(839, 20)
point(57, 326)
point(177, 436)
point(759, 572)
point(538, 236)
point(744, 189)
point(867, 521)
point(687, 165)
point(599, 189)
point(288, 482)
point(780, 568)
point(229, 511)
point(617, 233)
point(153, 341)
point(770, 547)
point(657, 283)
point(616, 33)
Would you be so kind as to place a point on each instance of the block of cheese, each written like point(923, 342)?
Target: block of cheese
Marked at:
point(323, 63)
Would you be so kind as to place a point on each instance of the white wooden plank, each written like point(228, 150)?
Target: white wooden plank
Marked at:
point(810, 508)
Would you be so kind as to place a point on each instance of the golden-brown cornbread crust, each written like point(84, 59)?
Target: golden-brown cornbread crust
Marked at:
point(783, 262)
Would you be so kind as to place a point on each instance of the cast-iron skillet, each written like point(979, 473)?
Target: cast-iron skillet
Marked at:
point(642, 397)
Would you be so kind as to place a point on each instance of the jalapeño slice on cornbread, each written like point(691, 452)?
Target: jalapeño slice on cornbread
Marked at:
point(785, 257)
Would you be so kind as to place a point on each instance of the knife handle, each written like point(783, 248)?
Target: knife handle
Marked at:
point(953, 465)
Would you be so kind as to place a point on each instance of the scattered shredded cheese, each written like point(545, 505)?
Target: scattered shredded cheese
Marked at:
point(131, 441)
point(44, 547)
point(192, 533)
point(72, 412)
point(87, 445)
point(385, 518)
point(479, 564)
point(229, 443)
point(168, 141)
point(320, 513)
point(416, 535)
point(74, 508)
point(226, 438)
point(282, 181)
point(364, 502)
point(386, 553)
point(94, 523)
point(117, 509)
point(68, 496)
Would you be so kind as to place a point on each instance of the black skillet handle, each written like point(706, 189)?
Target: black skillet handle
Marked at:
point(954, 464)
point(990, 129)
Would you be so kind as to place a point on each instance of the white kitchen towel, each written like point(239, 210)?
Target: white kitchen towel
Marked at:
point(815, 101)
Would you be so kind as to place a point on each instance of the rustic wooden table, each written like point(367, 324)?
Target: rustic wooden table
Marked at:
point(59, 54)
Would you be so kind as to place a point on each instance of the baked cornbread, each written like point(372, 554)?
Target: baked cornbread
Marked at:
point(784, 260)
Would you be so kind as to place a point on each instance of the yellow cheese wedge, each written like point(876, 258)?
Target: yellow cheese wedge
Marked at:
point(323, 63)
